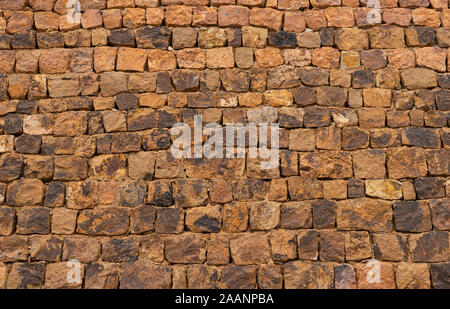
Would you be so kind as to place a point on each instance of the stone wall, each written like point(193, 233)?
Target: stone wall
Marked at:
point(86, 173)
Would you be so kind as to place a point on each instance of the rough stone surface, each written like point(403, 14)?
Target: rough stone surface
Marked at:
point(88, 170)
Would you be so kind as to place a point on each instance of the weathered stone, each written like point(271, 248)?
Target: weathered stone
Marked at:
point(440, 213)
point(46, 248)
point(295, 215)
point(429, 187)
point(235, 80)
point(352, 39)
point(238, 277)
point(143, 274)
point(120, 250)
point(218, 250)
point(70, 168)
point(190, 193)
point(26, 276)
point(161, 60)
point(344, 277)
point(169, 220)
point(266, 114)
point(308, 275)
point(335, 189)
point(203, 219)
point(202, 277)
point(254, 37)
point(266, 17)
point(364, 214)
point(220, 192)
point(315, 19)
point(369, 164)
point(411, 80)
point(268, 57)
point(270, 277)
point(204, 16)
point(33, 220)
point(332, 246)
point(406, 163)
point(412, 216)
point(390, 247)
point(25, 192)
point(132, 194)
point(185, 249)
point(439, 275)
point(334, 165)
point(357, 246)
point(412, 276)
point(380, 138)
point(429, 247)
point(104, 221)
point(363, 79)
point(250, 249)
point(316, 117)
point(264, 215)
point(235, 217)
point(191, 58)
point(14, 248)
point(153, 37)
point(81, 248)
point(290, 117)
point(101, 276)
point(384, 188)
point(308, 245)
point(7, 219)
point(421, 137)
point(284, 245)
point(219, 58)
point(331, 96)
point(108, 166)
point(324, 214)
point(304, 188)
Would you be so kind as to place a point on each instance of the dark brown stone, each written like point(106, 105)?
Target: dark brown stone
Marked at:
point(103, 221)
point(440, 275)
point(324, 214)
point(412, 216)
point(11, 167)
point(123, 37)
point(332, 246)
point(30, 144)
point(186, 80)
point(316, 117)
point(33, 220)
point(238, 277)
point(429, 247)
point(304, 96)
point(169, 220)
point(363, 79)
point(153, 37)
point(127, 101)
point(429, 187)
point(185, 249)
point(120, 250)
point(26, 276)
point(46, 248)
point(145, 275)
